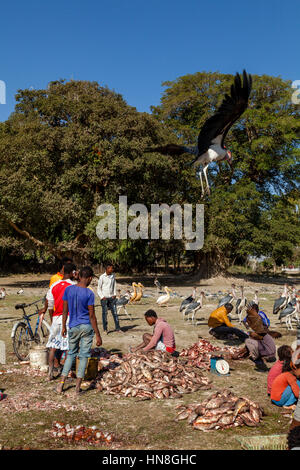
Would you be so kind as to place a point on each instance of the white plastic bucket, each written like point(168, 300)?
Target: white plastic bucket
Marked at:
point(38, 356)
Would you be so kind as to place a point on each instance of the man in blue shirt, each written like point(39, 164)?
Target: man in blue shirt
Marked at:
point(79, 302)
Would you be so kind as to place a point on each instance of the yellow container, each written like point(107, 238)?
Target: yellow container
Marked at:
point(91, 369)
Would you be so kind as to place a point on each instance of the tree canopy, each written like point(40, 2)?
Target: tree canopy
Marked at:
point(76, 144)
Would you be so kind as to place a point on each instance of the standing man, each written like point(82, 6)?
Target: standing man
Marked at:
point(79, 301)
point(55, 303)
point(107, 293)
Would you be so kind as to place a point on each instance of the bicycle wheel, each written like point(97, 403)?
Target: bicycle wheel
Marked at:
point(22, 342)
point(42, 335)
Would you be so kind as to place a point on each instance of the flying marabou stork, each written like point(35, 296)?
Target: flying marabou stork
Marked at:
point(211, 147)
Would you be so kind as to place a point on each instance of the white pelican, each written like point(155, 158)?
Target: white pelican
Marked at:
point(139, 295)
point(134, 293)
point(163, 299)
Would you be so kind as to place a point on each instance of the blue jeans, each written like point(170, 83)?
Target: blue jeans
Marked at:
point(109, 303)
point(80, 340)
point(287, 397)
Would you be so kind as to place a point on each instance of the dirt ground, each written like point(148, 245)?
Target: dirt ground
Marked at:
point(137, 425)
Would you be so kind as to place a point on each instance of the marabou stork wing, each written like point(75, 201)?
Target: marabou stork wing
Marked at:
point(191, 307)
point(122, 301)
point(231, 109)
point(168, 149)
point(225, 300)
point(277, 304)
point(286, 311)
point(185, 302)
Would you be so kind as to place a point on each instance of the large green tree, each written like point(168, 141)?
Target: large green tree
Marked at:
point(242, 212)
point(64, 151)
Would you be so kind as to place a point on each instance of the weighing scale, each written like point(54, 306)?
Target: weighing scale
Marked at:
point(219, 366)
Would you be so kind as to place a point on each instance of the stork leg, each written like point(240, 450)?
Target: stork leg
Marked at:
point(201, 180)
point(129, 316)
point(206, 179)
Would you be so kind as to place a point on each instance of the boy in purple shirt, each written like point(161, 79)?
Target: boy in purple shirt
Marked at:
point(79, 302)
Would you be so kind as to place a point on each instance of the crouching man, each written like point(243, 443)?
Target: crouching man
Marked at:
point(260, 345)
point(163, 338)
point(220, 325)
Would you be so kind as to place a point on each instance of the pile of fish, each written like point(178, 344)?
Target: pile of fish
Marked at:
point(220, 411)
point(106, 360)
point(78, 433)
point(154, 374)
point(199, 354)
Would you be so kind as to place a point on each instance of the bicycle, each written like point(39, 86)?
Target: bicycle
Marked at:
point(23, 335)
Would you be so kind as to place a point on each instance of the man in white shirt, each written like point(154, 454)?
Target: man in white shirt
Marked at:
point(107, 293)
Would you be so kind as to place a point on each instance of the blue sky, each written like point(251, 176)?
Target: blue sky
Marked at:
point(133, 46)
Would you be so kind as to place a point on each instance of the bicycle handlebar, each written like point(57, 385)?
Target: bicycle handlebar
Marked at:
point(27, 305)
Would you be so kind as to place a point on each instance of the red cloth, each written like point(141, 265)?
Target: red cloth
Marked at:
point(170, 350)
point(273, 373)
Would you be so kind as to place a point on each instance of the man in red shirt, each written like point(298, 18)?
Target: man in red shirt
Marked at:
point(55, 304)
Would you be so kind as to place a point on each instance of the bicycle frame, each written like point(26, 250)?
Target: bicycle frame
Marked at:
point(27, 319)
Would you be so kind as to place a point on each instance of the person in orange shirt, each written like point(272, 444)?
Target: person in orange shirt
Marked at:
point(60, 274)
point(286, 386)
point(220, 325)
